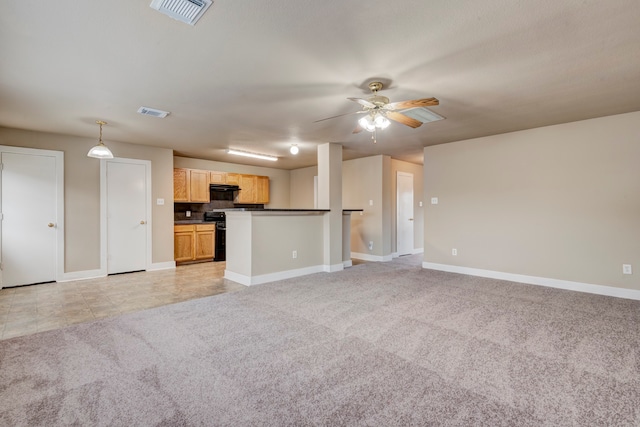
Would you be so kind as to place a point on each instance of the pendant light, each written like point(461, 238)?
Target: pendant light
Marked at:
point(100, 151)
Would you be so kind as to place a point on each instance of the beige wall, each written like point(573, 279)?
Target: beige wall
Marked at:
point(301, 190)
point(560, 202)
point(362, 181)
point(278, 178)
point(82, 193)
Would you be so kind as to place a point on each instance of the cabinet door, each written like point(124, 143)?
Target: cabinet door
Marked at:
point(181, 184)
point(233, 178)
point(247, 193)
point(199, 186)
point(262, 190)
point(205, 241)
point(183, 243)
point(217, 177)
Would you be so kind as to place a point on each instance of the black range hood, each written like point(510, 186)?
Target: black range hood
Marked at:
point(223, 188)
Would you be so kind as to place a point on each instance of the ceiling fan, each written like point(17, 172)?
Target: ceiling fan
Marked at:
point(379, 110)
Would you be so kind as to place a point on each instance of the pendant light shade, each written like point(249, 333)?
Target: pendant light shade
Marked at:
point(100, 151)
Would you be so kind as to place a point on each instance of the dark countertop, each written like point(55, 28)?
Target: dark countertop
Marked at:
point(192, 221)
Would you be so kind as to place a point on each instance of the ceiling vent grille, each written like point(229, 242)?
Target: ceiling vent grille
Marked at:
point(153, 112)
point(423, 114)
point(187, 11)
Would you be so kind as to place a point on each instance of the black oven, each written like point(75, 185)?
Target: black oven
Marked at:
point(219, 218)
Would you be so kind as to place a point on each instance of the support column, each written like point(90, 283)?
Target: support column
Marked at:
point(330, 197)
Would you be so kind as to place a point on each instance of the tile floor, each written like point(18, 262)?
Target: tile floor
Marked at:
point(29, 309)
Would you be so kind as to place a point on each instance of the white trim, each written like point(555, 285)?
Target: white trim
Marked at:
point(417, 251)
point(368, 257)
point(333, 268)
point(167, 265)
point(540, 281)
point(59, 161)
point(82, 275)
point(103, 210)
point(271, 277)
point(347, 263)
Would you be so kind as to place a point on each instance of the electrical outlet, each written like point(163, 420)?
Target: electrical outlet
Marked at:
point(159, 202)
point(626, 269)
point(434, 200)
point(420, 204)
point(371, 245)
point(188, 214)
point(454, 252)
point(294, 254)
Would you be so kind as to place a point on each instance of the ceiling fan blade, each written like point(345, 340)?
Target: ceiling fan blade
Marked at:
point(401, 105)
point(363, 102)
point(340, 115)
point(405, 120)
point(358, 129)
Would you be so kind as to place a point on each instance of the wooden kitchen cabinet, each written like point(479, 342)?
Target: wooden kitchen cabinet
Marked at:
point(190, 185)
point(233, 178)
point(248, 185)
point(205, 241)
point(181, 185)
point(262, 190)
point(183, 243)
point(217, 177)
point(194, 242)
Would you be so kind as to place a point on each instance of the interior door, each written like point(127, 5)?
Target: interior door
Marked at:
point(127, 216)
point(29, 220)
point(404, 223)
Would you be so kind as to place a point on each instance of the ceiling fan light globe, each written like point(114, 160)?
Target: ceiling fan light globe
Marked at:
point(381, 122)
point(367, 124)
point(294, 149)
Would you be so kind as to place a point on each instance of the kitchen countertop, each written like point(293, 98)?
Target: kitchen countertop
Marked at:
point(200, 221)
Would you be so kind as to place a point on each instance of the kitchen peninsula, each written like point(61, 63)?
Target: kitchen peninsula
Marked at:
point(272, 244)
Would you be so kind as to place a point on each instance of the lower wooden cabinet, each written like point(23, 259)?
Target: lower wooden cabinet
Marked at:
point(193, 242)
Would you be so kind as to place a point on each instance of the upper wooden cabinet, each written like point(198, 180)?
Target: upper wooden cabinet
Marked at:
point(217, 177)
point(233, 178)
point(190, 185)
point(262, 190)
point(181, 185)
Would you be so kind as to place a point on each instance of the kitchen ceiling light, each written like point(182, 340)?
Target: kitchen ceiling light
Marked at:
point(294, 149)
point(100, 151)
point(254, 155)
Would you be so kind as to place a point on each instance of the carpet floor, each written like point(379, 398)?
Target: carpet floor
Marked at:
point(379, 344)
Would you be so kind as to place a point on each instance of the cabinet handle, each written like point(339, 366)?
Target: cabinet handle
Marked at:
point(50, 225)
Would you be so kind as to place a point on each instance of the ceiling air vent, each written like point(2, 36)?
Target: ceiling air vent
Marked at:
point(153, 112)
point(423, 114)
point(187, 11)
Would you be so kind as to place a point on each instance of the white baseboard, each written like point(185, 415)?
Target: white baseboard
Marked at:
point(414, 251)
point(272, 277)
point(333, 268)
point(369, 257)
point(347, 264)
point(82, 275)
point(540, 281)
point(168, 265)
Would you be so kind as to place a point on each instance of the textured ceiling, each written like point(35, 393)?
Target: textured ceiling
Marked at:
point(255, 75)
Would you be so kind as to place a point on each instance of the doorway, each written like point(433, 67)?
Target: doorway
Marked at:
point(404, 213)
point(32, 230)
point(126, 215)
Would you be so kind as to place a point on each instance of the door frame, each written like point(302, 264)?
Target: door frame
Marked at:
point(59, 162)
point(413, 194)
point(103, 210)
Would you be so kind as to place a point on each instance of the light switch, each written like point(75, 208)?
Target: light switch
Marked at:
point(434, 200)
point(370, 202)
point(159, 201)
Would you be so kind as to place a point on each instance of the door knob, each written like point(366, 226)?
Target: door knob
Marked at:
point(143, 222)
point(410, 219)
point(50, 225)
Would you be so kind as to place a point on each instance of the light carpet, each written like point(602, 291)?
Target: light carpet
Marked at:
point(379, 344)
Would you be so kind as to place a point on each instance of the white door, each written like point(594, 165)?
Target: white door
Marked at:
point(127, 216)
point(29, 219)
point(404, 227)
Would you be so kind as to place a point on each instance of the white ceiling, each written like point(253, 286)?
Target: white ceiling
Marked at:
point(255, 75)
